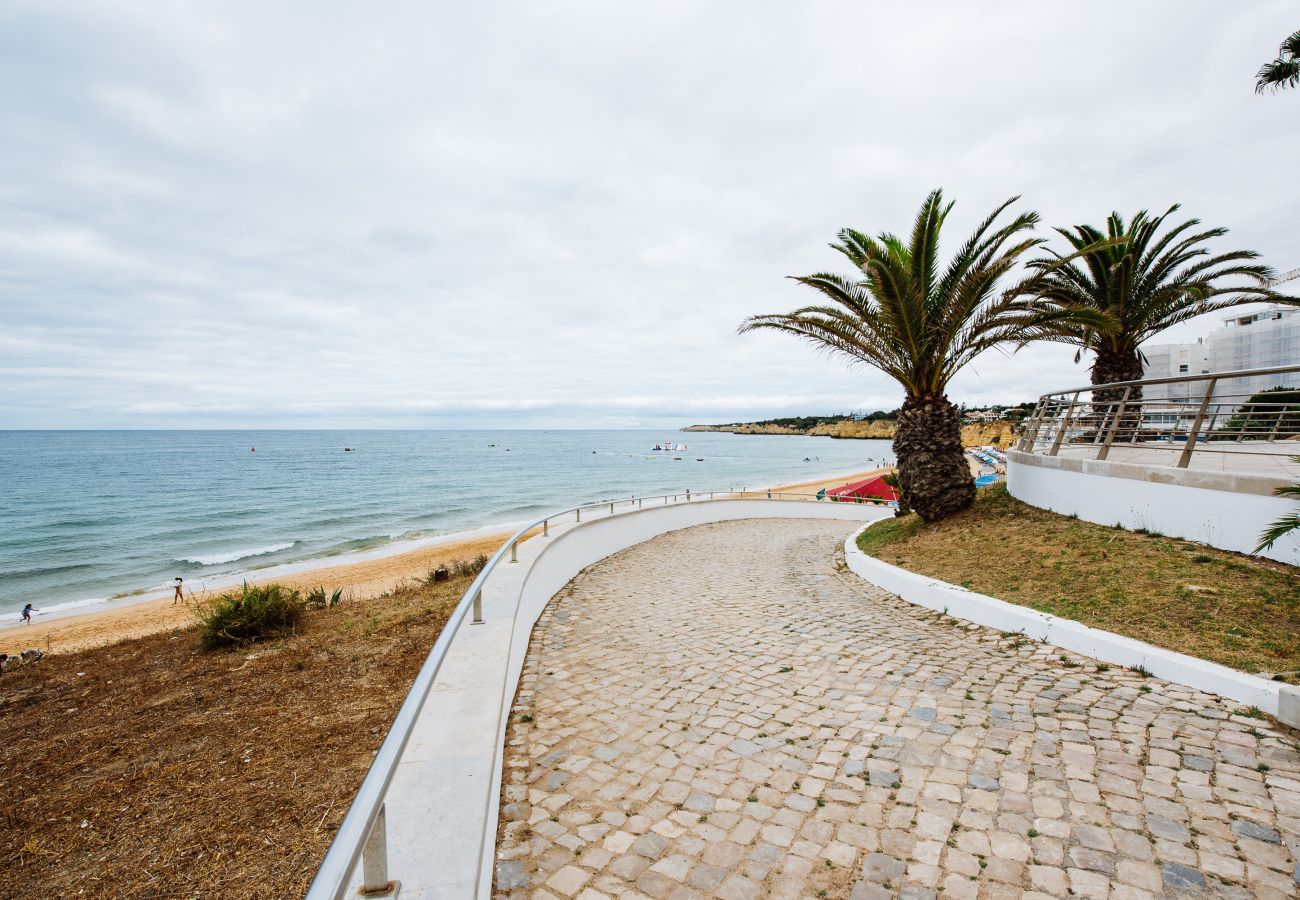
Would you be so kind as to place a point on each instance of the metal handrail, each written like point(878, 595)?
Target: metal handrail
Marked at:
point(361, 836)
point(1176, 379)
point(1122, 414)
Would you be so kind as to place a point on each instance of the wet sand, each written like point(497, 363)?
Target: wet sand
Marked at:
point(365, 578)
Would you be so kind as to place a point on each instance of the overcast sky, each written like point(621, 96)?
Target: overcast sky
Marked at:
point(555, 214)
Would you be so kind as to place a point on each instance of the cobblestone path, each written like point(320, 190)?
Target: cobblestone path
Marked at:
point(727, 712)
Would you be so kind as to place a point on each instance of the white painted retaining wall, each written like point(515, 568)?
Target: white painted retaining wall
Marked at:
point(1274, 698)
point(1228, 519)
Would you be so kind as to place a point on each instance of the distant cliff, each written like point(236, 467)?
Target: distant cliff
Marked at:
point(995, 434)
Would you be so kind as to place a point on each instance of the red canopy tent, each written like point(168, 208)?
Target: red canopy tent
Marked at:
point(871, 488)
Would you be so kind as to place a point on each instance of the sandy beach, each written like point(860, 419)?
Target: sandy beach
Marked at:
point(364, 578)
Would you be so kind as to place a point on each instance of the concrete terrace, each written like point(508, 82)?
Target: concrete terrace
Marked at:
point(1267, 459)
point(724, 711)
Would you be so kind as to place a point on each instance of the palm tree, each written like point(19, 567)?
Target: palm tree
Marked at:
point(1283, 71)
point(920, 326)
point(1141, 282)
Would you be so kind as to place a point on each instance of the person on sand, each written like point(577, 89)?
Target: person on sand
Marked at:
point(27, 613)
point(180, 592)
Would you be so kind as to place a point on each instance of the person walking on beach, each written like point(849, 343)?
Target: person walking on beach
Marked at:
point(180, 593)
point(27, 613)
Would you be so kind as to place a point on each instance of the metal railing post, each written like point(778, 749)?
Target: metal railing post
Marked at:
point(546, 527)
point(578, 514)
point(1186, 456)
point(514, 551)
point(1030, 436)
point(1065, 425)
point(1114, 424)
point(1277, 425)
point(374, 860)
point(611, 507)
point(478, 608)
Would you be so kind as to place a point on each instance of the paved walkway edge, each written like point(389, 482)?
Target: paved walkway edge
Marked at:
point(442, 806)
point(1273, 697)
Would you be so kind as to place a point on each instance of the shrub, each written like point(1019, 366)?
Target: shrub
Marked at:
point(467, 568)
point(254, 613)
point(317, 599)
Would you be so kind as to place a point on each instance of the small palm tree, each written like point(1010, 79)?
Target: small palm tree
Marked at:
point(1141, 282)
point(920, 325)
point(1285, 525)
point(1283, 71)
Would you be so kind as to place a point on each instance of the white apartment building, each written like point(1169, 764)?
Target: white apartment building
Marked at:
point(1257, 340)
point(1170, 361)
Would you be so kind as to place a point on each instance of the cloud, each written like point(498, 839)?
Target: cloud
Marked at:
point(557, 214)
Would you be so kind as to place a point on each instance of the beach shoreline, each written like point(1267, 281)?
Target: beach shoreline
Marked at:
point(365, 573)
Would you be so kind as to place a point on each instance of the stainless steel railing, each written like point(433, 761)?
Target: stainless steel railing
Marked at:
point(362, 837)
point(1219, 412)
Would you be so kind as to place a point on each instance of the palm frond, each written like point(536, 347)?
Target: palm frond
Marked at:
point(1283, 72)
point(913, 318)
point(1143, 276)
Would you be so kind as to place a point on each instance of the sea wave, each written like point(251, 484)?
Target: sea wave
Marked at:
point(216, 559)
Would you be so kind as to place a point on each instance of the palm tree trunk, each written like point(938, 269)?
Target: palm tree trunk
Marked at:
point(1112, 366)
point(933, 475)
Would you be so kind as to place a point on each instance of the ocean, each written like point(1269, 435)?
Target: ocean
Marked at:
point(91, 516)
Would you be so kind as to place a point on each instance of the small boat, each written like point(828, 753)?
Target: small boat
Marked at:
point(657, 447)
point(677, 458)
point(699, 459)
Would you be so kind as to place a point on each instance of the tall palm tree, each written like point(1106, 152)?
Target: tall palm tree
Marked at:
point(1283, 71)
point(920, 325)
point(1141, 282)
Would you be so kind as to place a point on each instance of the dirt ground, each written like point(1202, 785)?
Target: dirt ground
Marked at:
point(148, 768)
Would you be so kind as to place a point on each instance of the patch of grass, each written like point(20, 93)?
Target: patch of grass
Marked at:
point(252, 614)
point(1232, 609)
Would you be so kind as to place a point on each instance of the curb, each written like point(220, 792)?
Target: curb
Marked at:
point(1273, 697)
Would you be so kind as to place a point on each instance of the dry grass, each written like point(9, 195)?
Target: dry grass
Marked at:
point(1236, 610)
point(151, 769)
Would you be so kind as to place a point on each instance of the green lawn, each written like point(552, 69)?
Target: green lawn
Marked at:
point(1235, 610)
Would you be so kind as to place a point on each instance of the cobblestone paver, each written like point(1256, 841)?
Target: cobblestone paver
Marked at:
point(725, 712)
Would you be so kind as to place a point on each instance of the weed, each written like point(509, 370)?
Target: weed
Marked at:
point(317, 598)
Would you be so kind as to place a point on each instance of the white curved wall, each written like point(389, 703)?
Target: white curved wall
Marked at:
point(1227, 519)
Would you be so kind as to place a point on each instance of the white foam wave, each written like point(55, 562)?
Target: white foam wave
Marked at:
point(217, 559)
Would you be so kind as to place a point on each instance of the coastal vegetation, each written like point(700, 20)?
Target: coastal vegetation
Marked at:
point(1284, 70)
point(254, 613)
point(1132, 280)
point(920, 322)
point(998, 433)
point(1267, 414)
point(1285, 524)
point(1236, 610)
point(151, 768)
